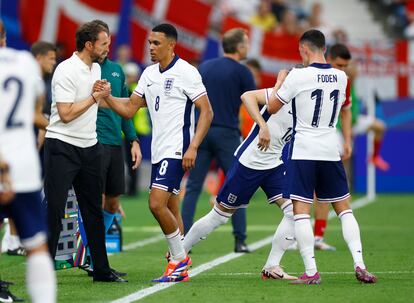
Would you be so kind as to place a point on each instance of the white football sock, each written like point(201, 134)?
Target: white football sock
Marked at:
point(283, 237)
point(176, 246)
point(205, 226)
point(350, 231)
point(40, 278)
point(306, 242)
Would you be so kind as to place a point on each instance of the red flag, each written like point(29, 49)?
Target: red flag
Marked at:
point(192, 29)
point(57, 21)
point(402, 60)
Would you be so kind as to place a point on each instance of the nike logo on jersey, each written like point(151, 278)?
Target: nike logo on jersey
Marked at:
point(159, 179)
point(149, 84)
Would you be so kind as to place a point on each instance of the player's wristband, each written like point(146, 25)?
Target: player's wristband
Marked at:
point(94, 98)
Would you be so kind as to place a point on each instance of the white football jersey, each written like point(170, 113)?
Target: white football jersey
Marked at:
point(317, 93)
point(280, 128)
point(20, 85)
point(169, 96)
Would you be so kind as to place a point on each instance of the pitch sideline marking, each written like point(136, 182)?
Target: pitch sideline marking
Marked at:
point(403, 272)
point(218, 261)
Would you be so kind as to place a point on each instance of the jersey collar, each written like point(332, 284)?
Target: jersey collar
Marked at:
point(169, 65)
point(321, 65)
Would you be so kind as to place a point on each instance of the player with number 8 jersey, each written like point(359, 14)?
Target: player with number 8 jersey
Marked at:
point(170, 89)
point(169, 95)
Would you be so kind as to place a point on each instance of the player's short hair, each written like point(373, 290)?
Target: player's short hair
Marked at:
point(169, 30)
point(339, 50)
point(88, 32)
point(231, 40)
point(254, 63)
point(42, 48)
point(103, 24)
point(314, 38)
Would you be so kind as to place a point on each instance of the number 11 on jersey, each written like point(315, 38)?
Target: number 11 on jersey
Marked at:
point(317, 95)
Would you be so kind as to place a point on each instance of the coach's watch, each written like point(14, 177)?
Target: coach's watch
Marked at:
point(134, 140)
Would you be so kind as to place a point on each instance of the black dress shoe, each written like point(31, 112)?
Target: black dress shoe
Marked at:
point(118, 273)
point(241, 247)
point(89, 270)
point(111, 277)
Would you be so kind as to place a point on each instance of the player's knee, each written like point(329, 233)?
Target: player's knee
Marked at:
point(341, 206)
point(155, 206)
point(37, 249)
point(221, 214)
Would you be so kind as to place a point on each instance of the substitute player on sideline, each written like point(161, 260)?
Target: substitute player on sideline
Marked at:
point(257, 164)
point(315, 164)
point(21, 90)
point(169, 89)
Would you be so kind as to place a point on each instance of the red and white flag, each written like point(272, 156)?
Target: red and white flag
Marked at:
point(190, 17)
point(58, 20)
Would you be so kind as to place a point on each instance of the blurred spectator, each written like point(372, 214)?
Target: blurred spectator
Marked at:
point(339, 36)
point(264, 18)
point(409, 11)
point(289, 25)
point(315, 21)
point(240, 9)
point(61, 53)
point(132, 72)
point(123, 54)
point(278, 8)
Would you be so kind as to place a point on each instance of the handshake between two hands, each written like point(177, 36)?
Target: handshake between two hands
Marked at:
point(101, 89)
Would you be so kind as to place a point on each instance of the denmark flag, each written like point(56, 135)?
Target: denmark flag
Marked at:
point(190, 17)
point(58, 20)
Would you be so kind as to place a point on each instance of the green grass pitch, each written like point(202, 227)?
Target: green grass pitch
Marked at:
point(387, 235)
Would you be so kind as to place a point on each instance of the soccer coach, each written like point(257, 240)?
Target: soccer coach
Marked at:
point(72, 152)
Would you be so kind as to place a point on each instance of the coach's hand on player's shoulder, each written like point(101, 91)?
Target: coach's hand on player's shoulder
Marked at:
point(6, 192)
point(189, 158)
point(264, 138)
point(347, 151)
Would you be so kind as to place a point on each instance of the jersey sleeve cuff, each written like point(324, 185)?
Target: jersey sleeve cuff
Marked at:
point(194, 99)
point(138, 93)
point(281, 99)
